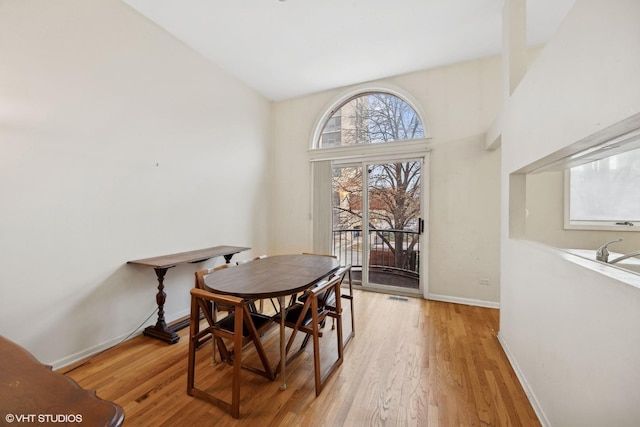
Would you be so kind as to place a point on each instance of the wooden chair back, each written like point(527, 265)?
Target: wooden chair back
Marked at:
point(239, 327)
point(308, 317)
point(201, 274)
point(201, 301)
point(244, 261)
point(342, 273)
point(212, 307)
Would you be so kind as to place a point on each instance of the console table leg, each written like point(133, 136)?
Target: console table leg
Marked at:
point(160, 330)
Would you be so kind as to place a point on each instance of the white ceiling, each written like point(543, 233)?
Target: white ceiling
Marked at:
point(290, 48)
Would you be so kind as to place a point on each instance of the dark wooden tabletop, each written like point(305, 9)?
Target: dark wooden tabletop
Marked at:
point(171, 260)
point(272, 276)
point(32, 390)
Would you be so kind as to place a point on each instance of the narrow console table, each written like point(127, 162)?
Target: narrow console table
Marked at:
point(32, 394)
point(161, 264)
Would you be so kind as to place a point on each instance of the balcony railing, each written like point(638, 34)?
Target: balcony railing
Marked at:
point(394, 255)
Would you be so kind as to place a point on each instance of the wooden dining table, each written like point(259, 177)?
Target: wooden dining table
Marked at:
point(273, 277)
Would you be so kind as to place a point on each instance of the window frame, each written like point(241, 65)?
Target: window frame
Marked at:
point(621, 225)
point(618, 139)
point(360, 90)
point(338, 109)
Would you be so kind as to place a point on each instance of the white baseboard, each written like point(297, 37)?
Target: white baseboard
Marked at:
point(525, 385)
point(465, 301)
point(76, 357)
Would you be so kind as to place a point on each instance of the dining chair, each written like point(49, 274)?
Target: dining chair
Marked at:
point(331, 301)
point(307, 318)
point(302, 297)
point(260, 321)
point(201, 302)
point(239, 327)
point(211, 307)
point(342, 273)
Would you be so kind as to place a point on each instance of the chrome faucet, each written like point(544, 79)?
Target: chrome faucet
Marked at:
point(602, 254)
point(632, 254)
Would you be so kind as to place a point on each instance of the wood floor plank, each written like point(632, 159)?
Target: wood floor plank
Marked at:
point(411, 363)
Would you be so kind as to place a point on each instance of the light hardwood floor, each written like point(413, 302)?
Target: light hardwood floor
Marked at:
point(411, 363)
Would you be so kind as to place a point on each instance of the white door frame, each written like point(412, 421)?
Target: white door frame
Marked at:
point(363, 161)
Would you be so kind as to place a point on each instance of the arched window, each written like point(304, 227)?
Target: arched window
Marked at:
point(369, 118)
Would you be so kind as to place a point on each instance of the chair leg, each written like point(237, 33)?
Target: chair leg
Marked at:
point(316, 358)
point(237, 364)
point(305, 341)
point(336, 315)
point(213, 339)
point(225, 353)
point(213, 357)
point(191, 369)
point(194, 329)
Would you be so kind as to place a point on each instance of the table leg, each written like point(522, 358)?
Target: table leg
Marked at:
point(160, 330)
point(283, 356)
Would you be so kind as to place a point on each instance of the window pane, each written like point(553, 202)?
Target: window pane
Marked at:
point(372, 118)
point(347, 214)
point(607, 189)
point(331, 139)
point(347, 198)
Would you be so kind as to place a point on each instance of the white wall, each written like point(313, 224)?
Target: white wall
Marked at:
point(460, 102)
point(545, 218)
point(571, 332)
point(117, 142)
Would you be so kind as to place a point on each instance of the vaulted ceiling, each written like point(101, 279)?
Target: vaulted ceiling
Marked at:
point(285, 49)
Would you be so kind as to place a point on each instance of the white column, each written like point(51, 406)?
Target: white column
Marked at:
point(514, 44)
point(514, 61)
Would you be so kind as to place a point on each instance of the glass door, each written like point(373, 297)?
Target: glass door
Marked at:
point(347, 217)
point(378, 230)
point(395, 224)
